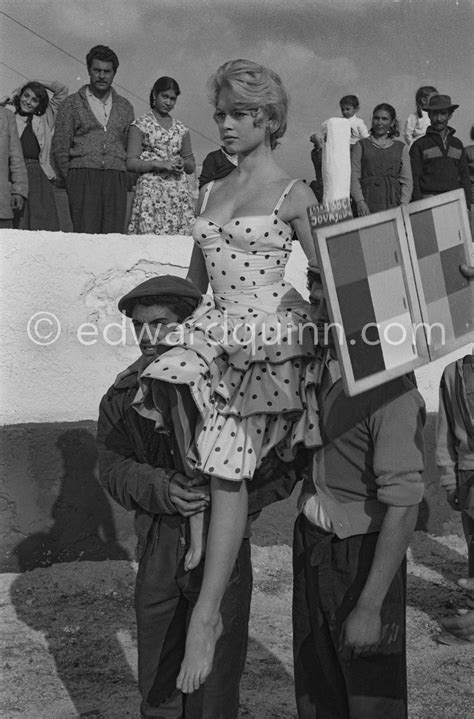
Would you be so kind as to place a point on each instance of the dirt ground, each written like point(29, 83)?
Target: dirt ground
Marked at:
point(68, 638)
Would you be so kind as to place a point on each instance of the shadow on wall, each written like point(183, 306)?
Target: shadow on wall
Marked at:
point(59, 507)
point(83, 523)
point(52, 508)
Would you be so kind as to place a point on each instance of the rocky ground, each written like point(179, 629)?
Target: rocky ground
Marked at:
point(68, 638)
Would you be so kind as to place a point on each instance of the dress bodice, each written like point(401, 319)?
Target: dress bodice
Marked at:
point(246, 260)
point(157, 142)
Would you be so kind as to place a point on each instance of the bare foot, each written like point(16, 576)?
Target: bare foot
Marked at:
point(199, 653)
point(196, 542)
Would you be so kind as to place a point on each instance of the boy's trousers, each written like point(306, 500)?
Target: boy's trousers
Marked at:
point(329, 575)
point(164, 598)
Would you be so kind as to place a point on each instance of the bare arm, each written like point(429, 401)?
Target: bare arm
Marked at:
point(362, 628)
point(134, 150)
point(296, 213)
point(396, 429)
point(189, 163)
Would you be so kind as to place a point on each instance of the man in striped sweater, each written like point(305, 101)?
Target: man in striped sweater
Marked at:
point(438, 159)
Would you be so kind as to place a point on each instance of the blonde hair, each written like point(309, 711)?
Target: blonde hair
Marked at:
point(253, 86)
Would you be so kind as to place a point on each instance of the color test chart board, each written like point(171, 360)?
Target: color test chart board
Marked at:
point(394, 289)
point(439, 239)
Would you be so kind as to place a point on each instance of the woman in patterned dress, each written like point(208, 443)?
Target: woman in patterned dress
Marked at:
point(159, 150)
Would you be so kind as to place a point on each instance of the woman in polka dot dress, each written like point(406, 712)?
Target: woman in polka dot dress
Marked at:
point(245, 355)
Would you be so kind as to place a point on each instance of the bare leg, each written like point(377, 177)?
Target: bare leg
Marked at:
point(229, 505)
point(196, 541)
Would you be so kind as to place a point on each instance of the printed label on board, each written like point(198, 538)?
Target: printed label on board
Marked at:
point(328, 213)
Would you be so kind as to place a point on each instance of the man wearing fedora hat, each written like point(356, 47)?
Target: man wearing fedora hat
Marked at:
point(438, 159)
point(142, 470)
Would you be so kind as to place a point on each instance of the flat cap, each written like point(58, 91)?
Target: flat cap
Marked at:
point(164, 285)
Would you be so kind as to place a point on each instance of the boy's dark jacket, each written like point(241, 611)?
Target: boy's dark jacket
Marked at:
point(136, 463)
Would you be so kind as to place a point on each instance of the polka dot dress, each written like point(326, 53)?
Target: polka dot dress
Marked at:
point(246, 354)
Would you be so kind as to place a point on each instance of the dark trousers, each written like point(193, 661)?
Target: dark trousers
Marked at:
point(329, 575)
point(97, 200)
point(164, 598)
point(465, 485)
point(39, 210)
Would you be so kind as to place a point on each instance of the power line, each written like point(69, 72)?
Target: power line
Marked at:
point(17, 72)
point(65, 52)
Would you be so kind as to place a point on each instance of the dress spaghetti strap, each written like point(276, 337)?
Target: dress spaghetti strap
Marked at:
point(205, 199)
point(284, 194)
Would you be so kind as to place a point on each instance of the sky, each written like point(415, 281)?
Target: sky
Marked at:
point(380, 50)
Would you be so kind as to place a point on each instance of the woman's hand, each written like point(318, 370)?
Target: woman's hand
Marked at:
point(362, 208)
point(162, 165)
point(174, 165)
point(177, 163)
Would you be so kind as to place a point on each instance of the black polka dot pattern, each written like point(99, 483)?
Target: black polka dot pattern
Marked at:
point(252, 397)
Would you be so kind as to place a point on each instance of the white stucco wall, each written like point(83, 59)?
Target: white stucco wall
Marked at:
point(78, 279)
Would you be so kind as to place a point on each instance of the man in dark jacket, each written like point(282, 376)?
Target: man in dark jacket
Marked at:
point(142, 470)
point(89, 147)
point(438, 159)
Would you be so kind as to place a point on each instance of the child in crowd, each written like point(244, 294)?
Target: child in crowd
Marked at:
point(417, 122)
point(349, 105)
point(455, 444)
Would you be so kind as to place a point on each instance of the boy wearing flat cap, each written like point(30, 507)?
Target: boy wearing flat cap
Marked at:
point(143, 471)
point(438, 159)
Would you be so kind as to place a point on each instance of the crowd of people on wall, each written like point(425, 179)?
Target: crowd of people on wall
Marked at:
point(243, 415)
point(90, 144)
